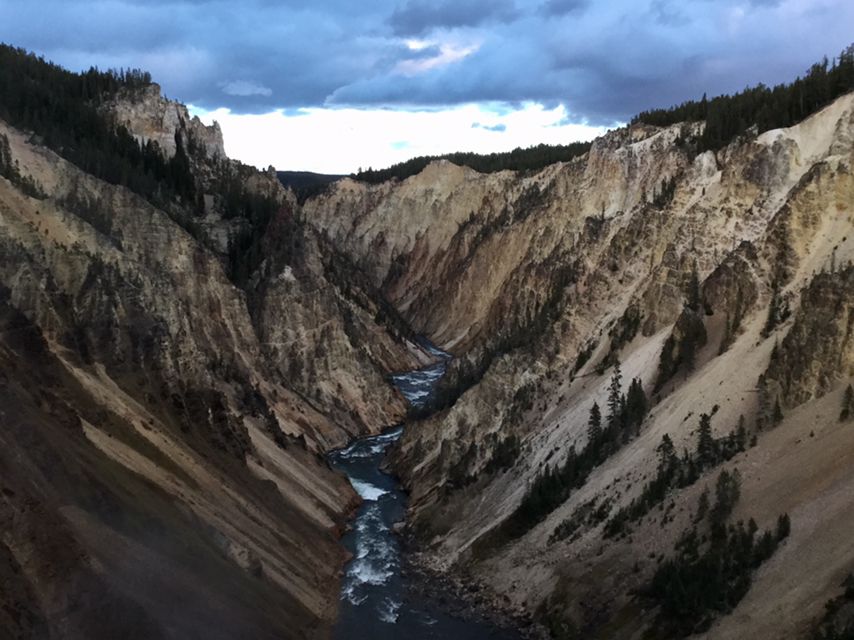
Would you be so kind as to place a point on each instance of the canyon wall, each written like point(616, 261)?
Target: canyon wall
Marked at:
point(720, 280)
point(165, 425)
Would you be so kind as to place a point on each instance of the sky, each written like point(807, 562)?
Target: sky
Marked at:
point(337, 85)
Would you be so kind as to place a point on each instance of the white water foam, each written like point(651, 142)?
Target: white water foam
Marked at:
point(367, 490)
point(349, 593)
point(371, 543)
point(388, 610)
point(368, 447)
point(389, 436)
point(361, 450)
point(366, 572)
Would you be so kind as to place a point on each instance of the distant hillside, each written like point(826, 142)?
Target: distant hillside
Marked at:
point(726, 116)
point(306, 183)
point(530, 159)
point(303, 179)
point(784, 105)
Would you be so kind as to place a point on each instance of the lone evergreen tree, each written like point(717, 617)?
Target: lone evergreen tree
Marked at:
point(594, 425)
point(847, 404)
point(615, 398)
point(777, 416)
point(636, 405)
point(784, 526)
point(706, 445)
point(741, 434)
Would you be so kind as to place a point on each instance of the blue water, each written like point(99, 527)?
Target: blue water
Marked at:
point(378, 600)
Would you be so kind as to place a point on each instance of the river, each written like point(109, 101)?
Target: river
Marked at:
point(379, 600)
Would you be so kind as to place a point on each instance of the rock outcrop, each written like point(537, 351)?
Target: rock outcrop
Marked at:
point(150, 117)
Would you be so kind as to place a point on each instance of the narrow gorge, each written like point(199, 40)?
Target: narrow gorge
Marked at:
point(209, 431)
point(382, 595)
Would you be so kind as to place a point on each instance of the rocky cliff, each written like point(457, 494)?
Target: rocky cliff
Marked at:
point(151, 117)
point(165, 412)
point(685, 268)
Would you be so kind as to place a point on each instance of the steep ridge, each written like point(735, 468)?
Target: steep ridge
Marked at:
point(164, 415)
point(431, 242)
point(686, 268)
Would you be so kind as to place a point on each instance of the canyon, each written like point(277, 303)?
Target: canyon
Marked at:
point(172, 377)
point(575, 259)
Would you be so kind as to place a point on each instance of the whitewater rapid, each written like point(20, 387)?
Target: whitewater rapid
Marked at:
point(378, 601)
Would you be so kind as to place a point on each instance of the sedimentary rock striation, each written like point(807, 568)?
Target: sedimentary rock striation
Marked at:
point(541, 283)
point(163, 426)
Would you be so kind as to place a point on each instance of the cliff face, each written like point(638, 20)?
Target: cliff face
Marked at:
point(637, 249)
point(472, 259)
point(817, 351)
point(160, 461)
point(150, 117)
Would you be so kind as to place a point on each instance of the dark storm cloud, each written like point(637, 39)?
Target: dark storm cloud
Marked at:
point(563, 7)
point(414, 18)
point(604, 61)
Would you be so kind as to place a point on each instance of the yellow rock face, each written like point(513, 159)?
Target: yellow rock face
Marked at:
point(524, 273)
point(163, 428)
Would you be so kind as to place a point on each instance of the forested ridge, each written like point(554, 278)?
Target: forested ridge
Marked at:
point(530, 159)
point(63, 109)
point(66, 112)
point(728, 116)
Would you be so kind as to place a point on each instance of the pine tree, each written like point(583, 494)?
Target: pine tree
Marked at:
point(847, 404)
point(702, 506)
point(594, 426)
point(784, 526)
point(615, 399)
point(727, 492)
point(777, 416)
point(666, 455)
point(741, 434)
point(636, 405)
point(706, 446)
point(668, 362)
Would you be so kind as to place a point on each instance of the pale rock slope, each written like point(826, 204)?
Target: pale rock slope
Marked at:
point(150, 117)
point(539, 283)
point(161, 467)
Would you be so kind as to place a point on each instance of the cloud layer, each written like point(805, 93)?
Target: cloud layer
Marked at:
point(603, 61)
point(343, 139)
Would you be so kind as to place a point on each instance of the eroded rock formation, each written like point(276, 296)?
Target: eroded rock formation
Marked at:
point(163, 427)
point(542, 282)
